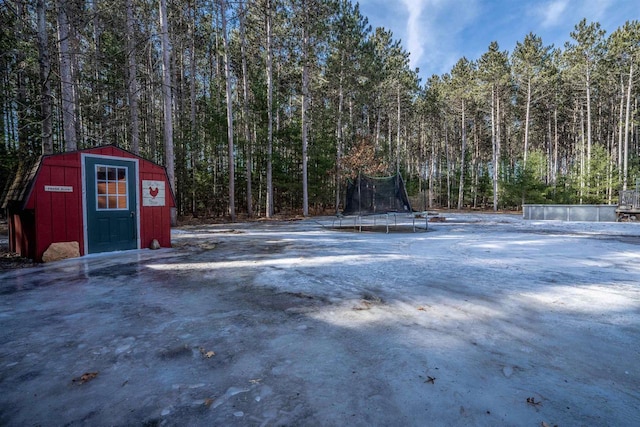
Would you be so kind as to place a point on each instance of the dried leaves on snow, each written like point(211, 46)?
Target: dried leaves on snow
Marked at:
point(532, 401)
point(430, 379)
point(84, 378)
point(208, 354)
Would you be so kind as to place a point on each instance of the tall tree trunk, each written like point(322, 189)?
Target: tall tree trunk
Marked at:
point(195, 146)
point(339, 135)
point(75, 70)
point(421, 163)
point(589, 125)
point(305, 125)
point(96, 130)
point(556, 141)
point(245, 107)
point(582, 154)
point(21, 80)
point(44, 60)
point(463, 149)
point(398, 134)
point(69, 108)
point(132, 80)
point(474, 163)
point(431, 174)
point(269, 202)
point(168, 117)
point(526, 124)
point(549, 138)
point(495, 143)
point(611, 140)
point(227, 74)
point(621, 132)
point(626, 130)
point(448, 155)
point(377, 135)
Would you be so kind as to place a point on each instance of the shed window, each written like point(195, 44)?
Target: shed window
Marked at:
point(111, 187)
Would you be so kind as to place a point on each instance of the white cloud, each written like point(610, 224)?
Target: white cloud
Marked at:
point(553, 13)
point(414, 33)
point(595, 10)
point(432, 31)
point(442, 25)
point(437, 33)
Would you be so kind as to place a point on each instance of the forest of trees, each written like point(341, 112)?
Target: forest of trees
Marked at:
point(264, 107)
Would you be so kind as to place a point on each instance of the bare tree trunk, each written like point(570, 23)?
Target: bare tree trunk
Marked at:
point(195, 146)
point(305, 125)
point(448, 155)
point(75, 67)
point(227, 74)
point(582, 157)
point(245, 107)
point(340, 136)
point(133, 90)
point(168, 117)
point(398, 134)
point(431, 173)
point(21, 80)
point(499, 114)
point(611, 140)
point(377, 136)
point(549, 140)
point(100, 96)
point(474, 164)
point(526, 125)
point(152, 135)
point(626, 130)
point(421, 164)
point(589, 140)
point(44, 59)
point(69, 108)
point(463, 149)
point(495, 144)
point(269, 202)
point(620, 132)
point(556, 140)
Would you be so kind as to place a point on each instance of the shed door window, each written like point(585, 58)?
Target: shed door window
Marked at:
point(111, 187)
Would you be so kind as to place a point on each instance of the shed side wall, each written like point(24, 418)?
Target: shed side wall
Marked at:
point(58, 215)
point(155, 221)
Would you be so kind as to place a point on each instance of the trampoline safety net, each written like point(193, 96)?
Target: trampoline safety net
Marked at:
point(372, 195)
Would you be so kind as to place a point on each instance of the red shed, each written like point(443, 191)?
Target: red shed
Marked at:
point(104, 198)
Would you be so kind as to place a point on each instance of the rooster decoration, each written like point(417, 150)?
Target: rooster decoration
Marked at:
point(153, 193)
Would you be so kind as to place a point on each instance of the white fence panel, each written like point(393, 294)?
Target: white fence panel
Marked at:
point(598, 213)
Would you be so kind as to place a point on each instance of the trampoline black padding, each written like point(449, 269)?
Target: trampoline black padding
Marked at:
point(368, 195)
point(379, 197)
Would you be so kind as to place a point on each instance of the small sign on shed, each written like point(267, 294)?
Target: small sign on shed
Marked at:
point(103, 198)
point(153, 193)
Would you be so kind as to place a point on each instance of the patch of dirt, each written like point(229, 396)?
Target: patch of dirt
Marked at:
point(187, 221)
point(10, 260)
point(381, 228)
point(287, 302)
point(368, 300)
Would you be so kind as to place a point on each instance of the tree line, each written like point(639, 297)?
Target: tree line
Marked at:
point(265, 107)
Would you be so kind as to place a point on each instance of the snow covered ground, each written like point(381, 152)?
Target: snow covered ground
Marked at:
point(482, 320)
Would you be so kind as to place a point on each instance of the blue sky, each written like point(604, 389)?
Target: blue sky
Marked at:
point(439, 32)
